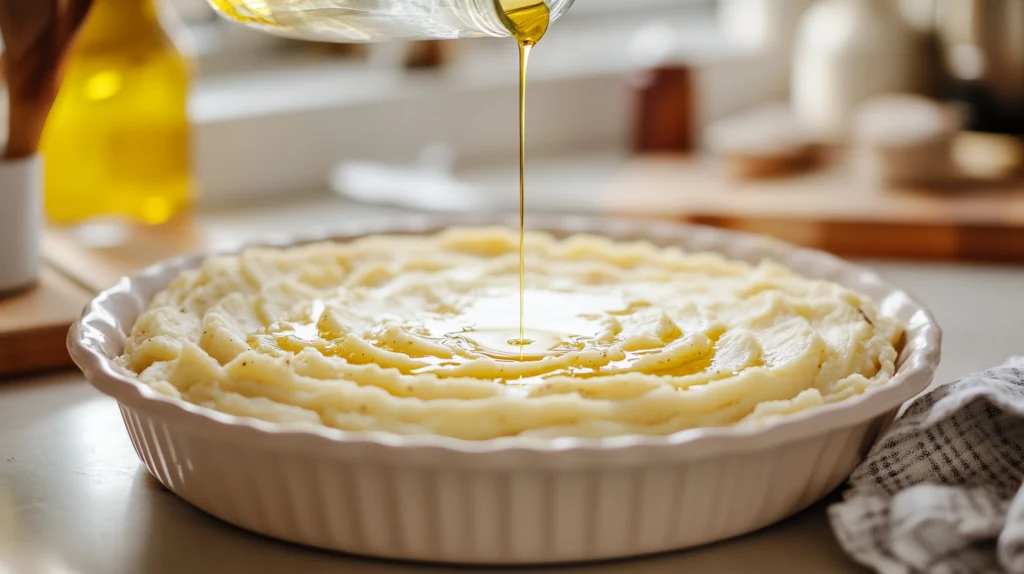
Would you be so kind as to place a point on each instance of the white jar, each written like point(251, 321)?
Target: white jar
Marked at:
point(846, 52)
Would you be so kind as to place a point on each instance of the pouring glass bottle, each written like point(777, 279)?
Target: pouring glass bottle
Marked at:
point(117, 140)
point(375, 20)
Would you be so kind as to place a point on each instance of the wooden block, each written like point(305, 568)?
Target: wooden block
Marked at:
point(34, 325)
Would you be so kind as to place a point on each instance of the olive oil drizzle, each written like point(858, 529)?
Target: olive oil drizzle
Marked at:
point(527, 21)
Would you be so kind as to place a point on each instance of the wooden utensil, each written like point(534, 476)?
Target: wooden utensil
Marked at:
point(37, 36)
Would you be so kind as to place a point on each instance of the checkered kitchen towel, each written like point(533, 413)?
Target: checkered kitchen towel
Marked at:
point(941, 490)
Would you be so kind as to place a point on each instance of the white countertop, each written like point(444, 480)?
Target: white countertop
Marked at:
point(75, 499)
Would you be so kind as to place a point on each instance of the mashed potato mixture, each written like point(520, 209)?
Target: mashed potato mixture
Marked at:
point(420, 334)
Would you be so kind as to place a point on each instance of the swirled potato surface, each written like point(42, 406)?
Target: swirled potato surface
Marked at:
point(420, 334)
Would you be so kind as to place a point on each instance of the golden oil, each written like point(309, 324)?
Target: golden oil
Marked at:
point(527, 21)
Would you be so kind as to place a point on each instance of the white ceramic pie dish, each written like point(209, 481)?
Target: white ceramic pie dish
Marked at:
point(512, 500)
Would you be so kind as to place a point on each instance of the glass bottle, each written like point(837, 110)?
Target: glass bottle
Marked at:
point(374, 20)
point(116, 144)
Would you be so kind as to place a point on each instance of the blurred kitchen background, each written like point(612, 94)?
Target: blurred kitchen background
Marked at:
point(882, 128)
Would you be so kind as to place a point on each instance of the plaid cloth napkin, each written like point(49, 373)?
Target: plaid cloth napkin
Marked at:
point(941, 489)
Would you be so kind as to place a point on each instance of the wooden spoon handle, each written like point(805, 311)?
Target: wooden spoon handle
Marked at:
point(39, 36)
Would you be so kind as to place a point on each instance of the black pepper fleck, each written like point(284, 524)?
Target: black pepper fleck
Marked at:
point(865, 316)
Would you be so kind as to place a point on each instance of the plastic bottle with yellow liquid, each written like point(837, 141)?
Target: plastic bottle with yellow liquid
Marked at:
point(116, 145)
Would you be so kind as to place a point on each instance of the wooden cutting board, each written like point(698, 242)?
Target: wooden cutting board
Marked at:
point(34, 325)
point(838, 208)
point(98, 268)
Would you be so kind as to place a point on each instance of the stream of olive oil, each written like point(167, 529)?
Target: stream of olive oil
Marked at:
point(527, 21)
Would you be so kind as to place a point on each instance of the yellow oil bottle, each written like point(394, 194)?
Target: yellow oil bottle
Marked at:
point(116, 144)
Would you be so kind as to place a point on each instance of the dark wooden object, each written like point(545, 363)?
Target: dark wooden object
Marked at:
point(664, 111)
